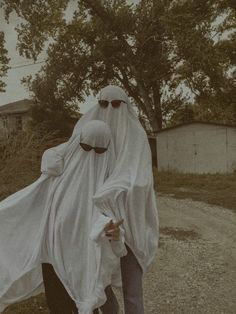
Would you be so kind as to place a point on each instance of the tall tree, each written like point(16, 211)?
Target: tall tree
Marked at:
point(50, 111)
point(3, 61)
point(207, 49)
point(150, 49)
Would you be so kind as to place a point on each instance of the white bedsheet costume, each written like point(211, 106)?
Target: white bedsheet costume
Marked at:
point(54, 220)
point(129, 190)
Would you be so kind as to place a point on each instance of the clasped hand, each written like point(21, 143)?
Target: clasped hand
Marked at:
point(112, 230)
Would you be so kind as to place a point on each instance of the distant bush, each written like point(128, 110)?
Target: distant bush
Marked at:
point(20, 159)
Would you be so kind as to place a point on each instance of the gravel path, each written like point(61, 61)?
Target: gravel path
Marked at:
point(195, 269)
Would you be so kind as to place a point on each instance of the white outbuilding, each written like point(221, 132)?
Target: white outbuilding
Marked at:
point(197, 147)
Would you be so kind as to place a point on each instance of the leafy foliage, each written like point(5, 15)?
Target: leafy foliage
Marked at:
point(155, 50)
point(50, 112)
point(3, 61)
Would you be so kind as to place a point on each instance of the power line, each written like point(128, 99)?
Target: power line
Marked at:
point(25, 65)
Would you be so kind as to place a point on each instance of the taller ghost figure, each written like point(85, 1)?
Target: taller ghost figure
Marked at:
point(131, 186)
point(128, 192)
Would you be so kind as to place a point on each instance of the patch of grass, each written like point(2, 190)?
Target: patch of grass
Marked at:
point(34, 305)
point(216, 189)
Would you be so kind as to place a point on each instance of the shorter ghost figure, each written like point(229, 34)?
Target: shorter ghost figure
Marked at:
point(55, 221)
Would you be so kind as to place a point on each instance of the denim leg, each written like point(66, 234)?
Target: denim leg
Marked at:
point(111, 306)
point(58, 300)
point(132, 277)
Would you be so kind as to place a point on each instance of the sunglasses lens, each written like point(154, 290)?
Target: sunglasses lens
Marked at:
point(86, 147)
point(116, 103)
point(100, 150)
point(103, 103)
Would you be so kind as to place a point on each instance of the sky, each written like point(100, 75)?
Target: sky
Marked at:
point(14, 89)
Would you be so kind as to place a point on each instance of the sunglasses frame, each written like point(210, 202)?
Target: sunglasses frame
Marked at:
point(105, 103)
point(96, 149)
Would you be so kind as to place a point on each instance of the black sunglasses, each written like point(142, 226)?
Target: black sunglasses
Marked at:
point(98, 150)
point(115, 103)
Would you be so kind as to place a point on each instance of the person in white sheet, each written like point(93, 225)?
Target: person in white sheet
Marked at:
point(128, 191)
point(55, 221)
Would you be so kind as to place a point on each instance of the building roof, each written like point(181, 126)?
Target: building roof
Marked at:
point(20, 106)
point(195, 122)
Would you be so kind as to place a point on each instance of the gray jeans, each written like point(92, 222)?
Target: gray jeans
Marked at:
point(131, 273)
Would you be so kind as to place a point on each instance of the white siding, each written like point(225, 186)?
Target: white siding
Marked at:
point(211, 150)
point(231, 149)
point(197, 148)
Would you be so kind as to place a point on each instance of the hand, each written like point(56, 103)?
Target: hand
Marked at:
point(112, 230)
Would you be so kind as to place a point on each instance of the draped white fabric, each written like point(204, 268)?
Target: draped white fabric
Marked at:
point(20, 225)
point(54, 220)
point(129, 190)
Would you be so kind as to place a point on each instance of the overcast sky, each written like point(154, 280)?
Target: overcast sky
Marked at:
point(14, 89)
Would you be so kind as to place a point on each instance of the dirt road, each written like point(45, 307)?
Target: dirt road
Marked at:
point(195, 269)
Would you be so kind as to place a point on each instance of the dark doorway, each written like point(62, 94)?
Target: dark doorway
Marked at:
point(153, 145)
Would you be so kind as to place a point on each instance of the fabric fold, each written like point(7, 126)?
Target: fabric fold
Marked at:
point(52, 163)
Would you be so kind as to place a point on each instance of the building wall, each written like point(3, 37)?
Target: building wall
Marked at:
point(231, 149)
point(197, 148)
point(10, 123)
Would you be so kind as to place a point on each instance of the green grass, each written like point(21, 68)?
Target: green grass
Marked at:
point(216, 189)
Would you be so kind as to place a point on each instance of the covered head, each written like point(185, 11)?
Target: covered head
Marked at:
point(118, 118)
point(93, 151)
point(96, 133)
point(111, 92)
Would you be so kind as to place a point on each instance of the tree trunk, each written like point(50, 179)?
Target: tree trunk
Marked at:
point(155, 121)
point(157, 105)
